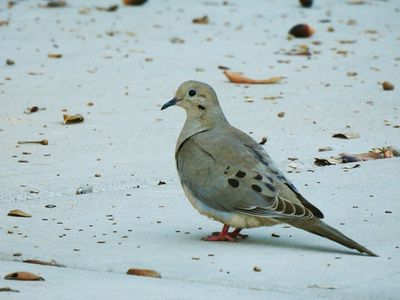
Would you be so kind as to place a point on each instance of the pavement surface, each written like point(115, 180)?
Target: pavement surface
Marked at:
point(116, 69)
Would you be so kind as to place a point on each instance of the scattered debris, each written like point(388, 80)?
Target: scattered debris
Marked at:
point(342, 158)
point(18, 213)
point(223, 68)
point(42, 142)
point(256, 269)
point(43, 262)
point(33, 109)
point(317, 286)
point(387, 86)
point(302, 31)
point(134, 2)
point(28, 276)
point(300, 50)
point(71, 119)
point(349, 135)
point(275, 235)
point(324, 149)
point(87, 189)
point(110, 8)
point(306, 3)
point(144, 272)
point(176, 40)
point(239, 78)
point(4, 23)
point(10, 62)
point(8, 289)
point(263, 140)
point(97, 175)
point(281, 114)
point(54, 55)
point(55, 4)
point(161, 182)
point(202, 20)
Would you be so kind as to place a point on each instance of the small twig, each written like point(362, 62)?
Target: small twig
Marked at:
point(42, 142)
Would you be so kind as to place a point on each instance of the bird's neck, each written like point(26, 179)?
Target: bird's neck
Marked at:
point(196, 124)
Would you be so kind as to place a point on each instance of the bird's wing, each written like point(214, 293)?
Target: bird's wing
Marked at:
point(227, 175)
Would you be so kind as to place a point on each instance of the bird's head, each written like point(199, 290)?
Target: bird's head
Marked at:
point(198, 99)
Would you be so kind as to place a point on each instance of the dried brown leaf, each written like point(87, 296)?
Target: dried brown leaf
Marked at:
point(18, 213)
point(239, 78)
point(28, 276)
point(143, 272)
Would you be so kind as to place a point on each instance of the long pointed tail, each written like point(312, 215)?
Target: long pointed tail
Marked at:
point(320, 228)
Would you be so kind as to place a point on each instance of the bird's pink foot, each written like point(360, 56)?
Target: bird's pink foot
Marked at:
point(225, 235)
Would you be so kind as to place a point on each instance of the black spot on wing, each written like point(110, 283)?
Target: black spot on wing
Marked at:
point(240, 174)
point(258, 177)
point(270, 187)
point(233, 182)
point(256, 188)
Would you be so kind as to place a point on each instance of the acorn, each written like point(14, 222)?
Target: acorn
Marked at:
point(301, 31)
point(134, 2)
point(306, 3)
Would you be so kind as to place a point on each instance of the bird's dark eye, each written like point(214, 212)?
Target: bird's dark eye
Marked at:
point(192, 93)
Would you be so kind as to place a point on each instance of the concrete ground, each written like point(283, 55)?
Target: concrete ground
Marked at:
point(116, 69)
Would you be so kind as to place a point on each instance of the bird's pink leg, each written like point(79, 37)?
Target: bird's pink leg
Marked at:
point(225, 235)
point(236, 234)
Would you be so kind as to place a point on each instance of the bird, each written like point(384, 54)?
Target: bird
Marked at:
point(229, 177)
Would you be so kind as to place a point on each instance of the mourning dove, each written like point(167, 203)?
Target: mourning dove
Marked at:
point(229, 177)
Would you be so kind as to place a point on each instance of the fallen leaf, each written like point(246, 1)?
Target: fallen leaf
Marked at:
point(202, 20)
point(144, 272)
point(239, 78)
point(43, 262)
point(71, 119)
point(23, 276)
point(54, 55)
point(8, 289)
point(348, 135)
point(110, 8)
point(18, 213)
point(161, 182)
point(223, 68)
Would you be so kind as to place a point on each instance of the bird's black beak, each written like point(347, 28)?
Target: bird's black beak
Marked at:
point(169, 103)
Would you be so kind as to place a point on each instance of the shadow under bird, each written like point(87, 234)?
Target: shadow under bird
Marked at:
point(229, 177)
